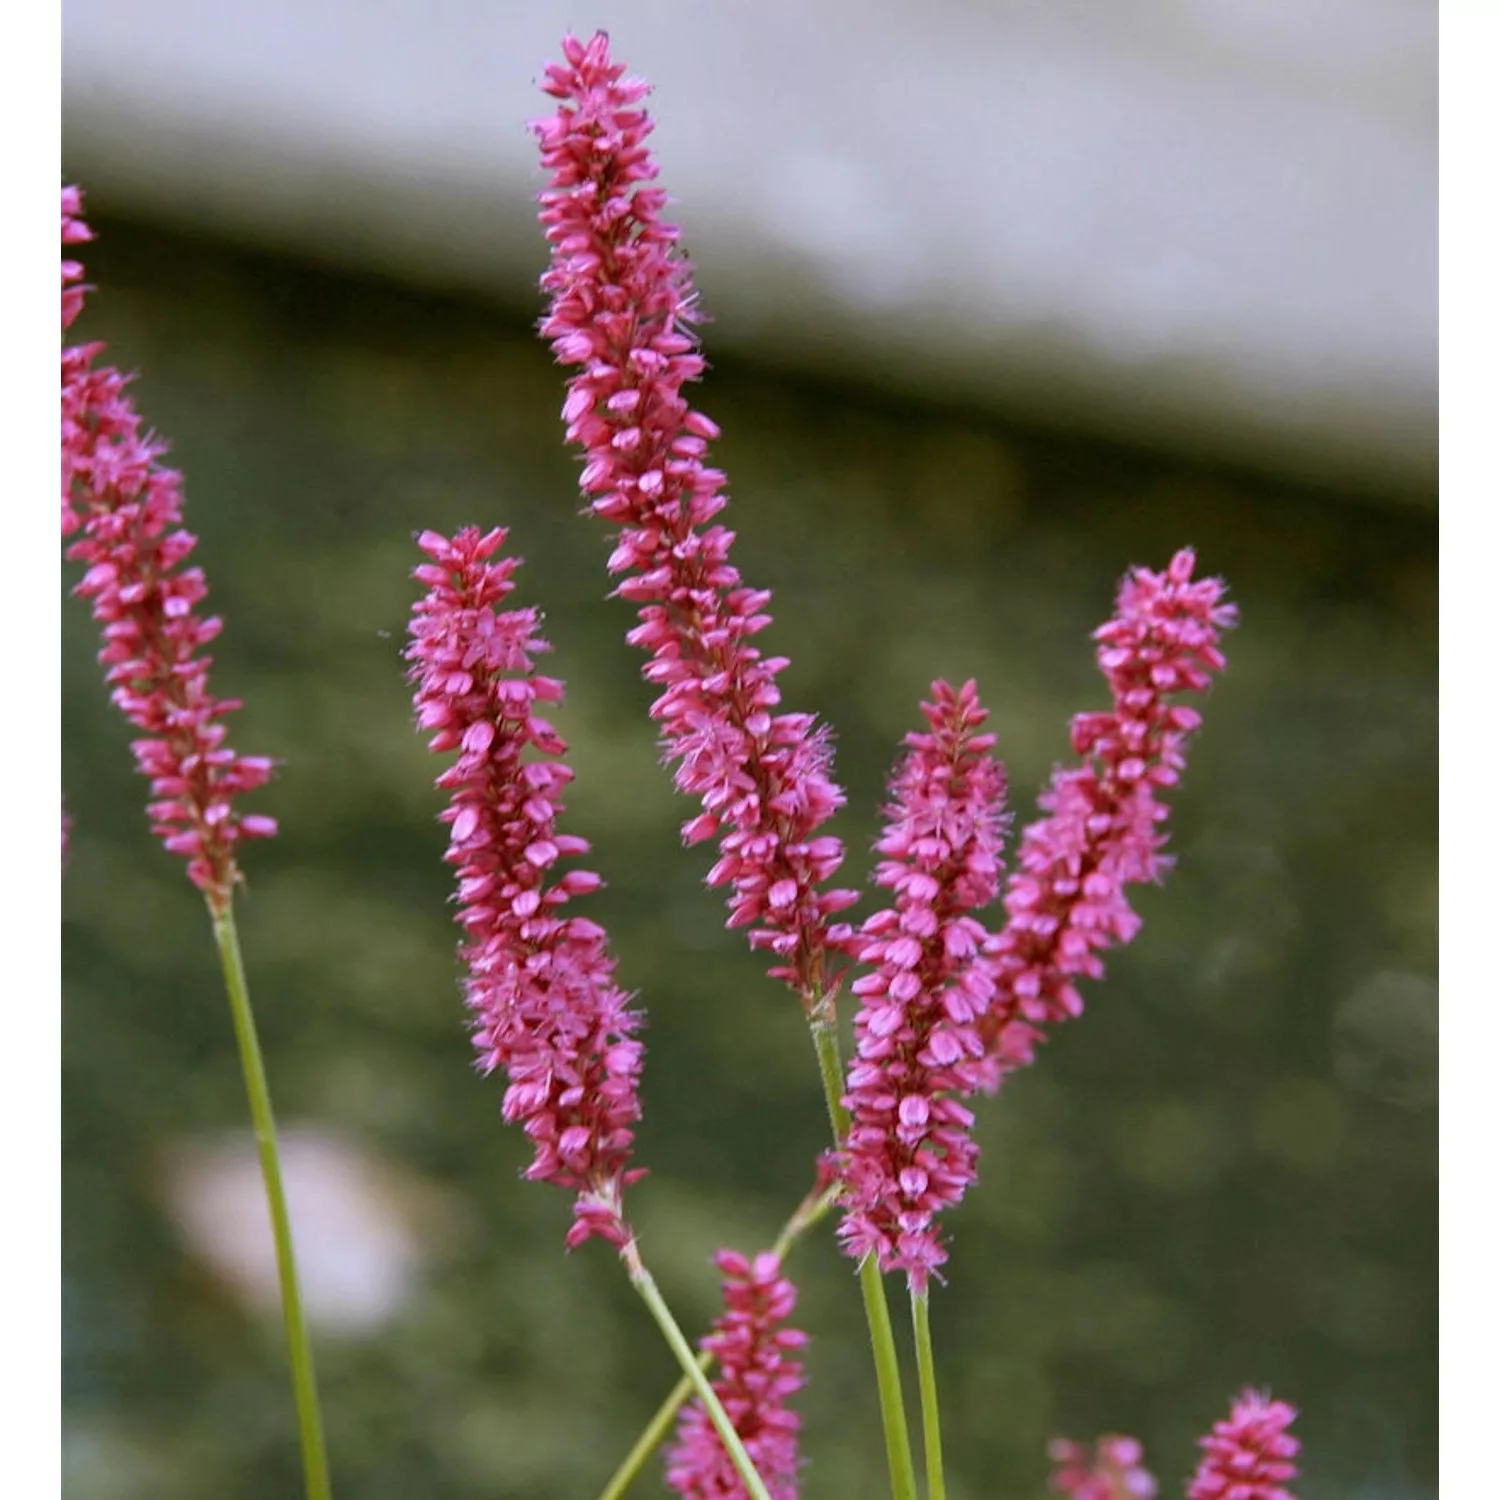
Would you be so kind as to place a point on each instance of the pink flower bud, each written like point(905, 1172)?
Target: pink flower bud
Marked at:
point(1100, 832)
point(620, 306)
point(1112, 1469)
point(1249, 1455)
point(541, 985)
point(129, 509)
point(754, 1381)
point(914, 1035)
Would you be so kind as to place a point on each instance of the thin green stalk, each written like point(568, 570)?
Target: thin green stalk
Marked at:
point(888, 1379)
point(641, 1279)
point(299, 1346)
point(932, 1436)
point(872, 1286)
point(804, 1216)
point(831, 1069)
point(807, 1213)
point(648, 1442)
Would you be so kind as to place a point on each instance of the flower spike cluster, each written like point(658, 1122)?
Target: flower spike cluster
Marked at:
point(620, 310)
point(1066, 903)
point(1249, 1455)
point(540, 984)
point(1113, 1469)
point(129, 510)
point(757, 1374)
point(908, 1153)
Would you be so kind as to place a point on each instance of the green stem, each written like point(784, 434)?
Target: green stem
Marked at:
point(807, 1213)
point(831, 1069)
point(299, 1346)
point(888, 1380)
point(650, 1439)
point(804, 1216)
point(872, 1287)
point(641, 1279)
point(932, 1436)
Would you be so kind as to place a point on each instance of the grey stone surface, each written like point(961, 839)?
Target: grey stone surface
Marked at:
point(1209, 224)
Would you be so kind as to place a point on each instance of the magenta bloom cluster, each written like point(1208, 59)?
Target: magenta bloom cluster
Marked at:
point(908, 1151)
point(128, 507)
point(1114, 1468)
point(540, 984)
point(620, 310)
point(1248, 1456)
point(758, 1374)
point(1065, 903)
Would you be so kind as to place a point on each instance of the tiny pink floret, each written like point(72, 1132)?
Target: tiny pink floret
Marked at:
point(129, 510)
point(540, 984)
point(758, 1373)
point(621, 309)
point(1248, 1456)
point(1114, 1468)
point(909, 1154)
point(1065, 903)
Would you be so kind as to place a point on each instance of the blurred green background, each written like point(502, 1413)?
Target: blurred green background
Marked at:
point(1224, 1174)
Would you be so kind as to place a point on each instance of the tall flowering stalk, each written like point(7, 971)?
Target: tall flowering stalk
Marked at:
point(908, 1154)
point(128, 508)
point(758, 1373)
point(1065, 903)
point(621, 310)
point(1249, 1455)
point(1114, 1468)
point(540, 984)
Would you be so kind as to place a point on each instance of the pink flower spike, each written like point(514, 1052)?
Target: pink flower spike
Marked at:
point(129, 508)
point(908, 1154)
point(758, 1372)
point(1113, 1469)
point(1065, 903)
point(540, 985)
point(1249, 1455)
point(621, 306)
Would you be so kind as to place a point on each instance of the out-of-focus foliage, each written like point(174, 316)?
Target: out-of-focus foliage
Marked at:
point(1225, 1173)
